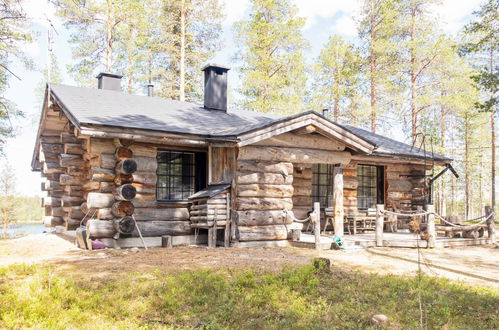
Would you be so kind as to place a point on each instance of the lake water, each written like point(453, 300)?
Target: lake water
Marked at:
point(25, 229)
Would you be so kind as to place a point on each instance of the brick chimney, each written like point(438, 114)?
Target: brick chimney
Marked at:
point(215, 87)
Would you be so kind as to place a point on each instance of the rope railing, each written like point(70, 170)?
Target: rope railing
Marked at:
point(292, 216)
point(483, 217)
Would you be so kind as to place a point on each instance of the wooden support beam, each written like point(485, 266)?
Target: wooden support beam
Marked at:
point(339, 212)
point(305, 130)
point(379, 224)
point(491, 224)
point(432, 234)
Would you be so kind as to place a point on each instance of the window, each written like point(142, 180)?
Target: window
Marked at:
point(180, 174)
point(370, 190)
point(322, 184)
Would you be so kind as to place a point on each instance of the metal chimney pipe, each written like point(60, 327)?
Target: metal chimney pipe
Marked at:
point(325, 112)
point(150, 90)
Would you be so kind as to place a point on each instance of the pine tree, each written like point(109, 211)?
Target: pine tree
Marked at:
point(379, 35)
point(15, 34)
point(271, 48)
point(483, 41)
point(7, 191)
point(336, 77)
point(192, 31)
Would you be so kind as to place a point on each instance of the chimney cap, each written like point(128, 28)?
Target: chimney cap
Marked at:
point(110, 75)
point(215, 66)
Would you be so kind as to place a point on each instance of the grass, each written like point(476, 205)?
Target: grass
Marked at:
point(294, 298)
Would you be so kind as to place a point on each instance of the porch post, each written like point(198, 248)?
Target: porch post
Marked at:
point(490, 224)
point(379, 224)
point(432, 233)
point(317, 225)
point(339, 211)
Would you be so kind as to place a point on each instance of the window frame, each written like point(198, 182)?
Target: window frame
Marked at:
point(316, 181)
point(193, 175)
point(376, 186)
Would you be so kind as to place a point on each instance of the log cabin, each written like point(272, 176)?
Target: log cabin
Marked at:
point(127, 165)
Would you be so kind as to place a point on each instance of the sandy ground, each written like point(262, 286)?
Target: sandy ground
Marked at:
point(471, 265)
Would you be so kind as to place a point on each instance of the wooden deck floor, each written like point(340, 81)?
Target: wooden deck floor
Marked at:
point(389, 240)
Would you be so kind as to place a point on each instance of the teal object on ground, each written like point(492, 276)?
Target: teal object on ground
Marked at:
point(338, 240)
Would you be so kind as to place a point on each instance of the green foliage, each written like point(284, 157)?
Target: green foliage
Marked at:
point(271, 48)
point(294, 298)
point(15, 34)
point(337, 78)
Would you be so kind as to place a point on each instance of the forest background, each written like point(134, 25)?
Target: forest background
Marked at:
point(413, 70)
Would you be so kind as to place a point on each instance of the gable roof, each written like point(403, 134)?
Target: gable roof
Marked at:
point(100, 107)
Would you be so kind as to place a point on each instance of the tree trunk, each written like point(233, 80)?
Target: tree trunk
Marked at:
point(493, 142)
point(182, 51)
point(372, 69)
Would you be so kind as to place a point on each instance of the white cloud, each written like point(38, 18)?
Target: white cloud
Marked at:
point(314, 9)
point(454, 14)
point(235, 10)
point(345, 25)
point(40, 12)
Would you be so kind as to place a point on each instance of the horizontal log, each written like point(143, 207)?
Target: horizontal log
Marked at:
point(248, 204)
point(161, 214)
point(145, 203)
point(92, 160)
point(264, 190)
point(349, 173)
point(73, 148)
point(100, 229)
point(160, 228)
point(101, 146)
point(122, 208)
point(125, 192)
point(127, 166)
point(102, 174)
point(51, 201)
point(143, 151)
point(262, 218)
point(305, 173)
point(122, 179)
point(302, 183)
point(262, 233)
point(144, 189)
point(146, 164)
point(49, 139)
point(302, 200)
point(107, 161)
point(268, 178)
point(216, 201)
point(81, 171)
point(52, 167)
point(91, 185)
point(350, 183)
point(294, 155)
point(66, 179)
point(66, 160)
point(123, 153)
point(57, 211)
point(349, 193)
point(48, 157)
point(71, 201)
point(72, 224)
point(125, 225)
point(99, 200)
point(285, 168)
point(399, 186)
point(68, 138)
point(107, 187)
point(53, 185)
point(145, 178)
point(209, 217)
point(302, 191)
point(50, 221)
point(208, 212)
point(55, 148)
point(303, 141)
point(399, 195)
point(105, 214)
point(75, 212)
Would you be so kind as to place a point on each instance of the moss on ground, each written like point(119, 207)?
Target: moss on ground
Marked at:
point(294, 298)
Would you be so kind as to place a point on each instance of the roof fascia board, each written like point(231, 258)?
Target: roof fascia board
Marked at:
point(34, 157)
point(391, 159)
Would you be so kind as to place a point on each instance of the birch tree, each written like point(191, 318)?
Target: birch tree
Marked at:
point(270, 49)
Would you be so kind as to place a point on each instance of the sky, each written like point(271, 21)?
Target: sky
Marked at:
point(323, 18)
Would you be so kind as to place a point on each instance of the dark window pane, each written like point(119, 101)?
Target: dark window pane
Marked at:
point(322, 184)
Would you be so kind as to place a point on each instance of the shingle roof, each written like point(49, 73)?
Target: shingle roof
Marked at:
point(387, 146)
point(114, 108)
